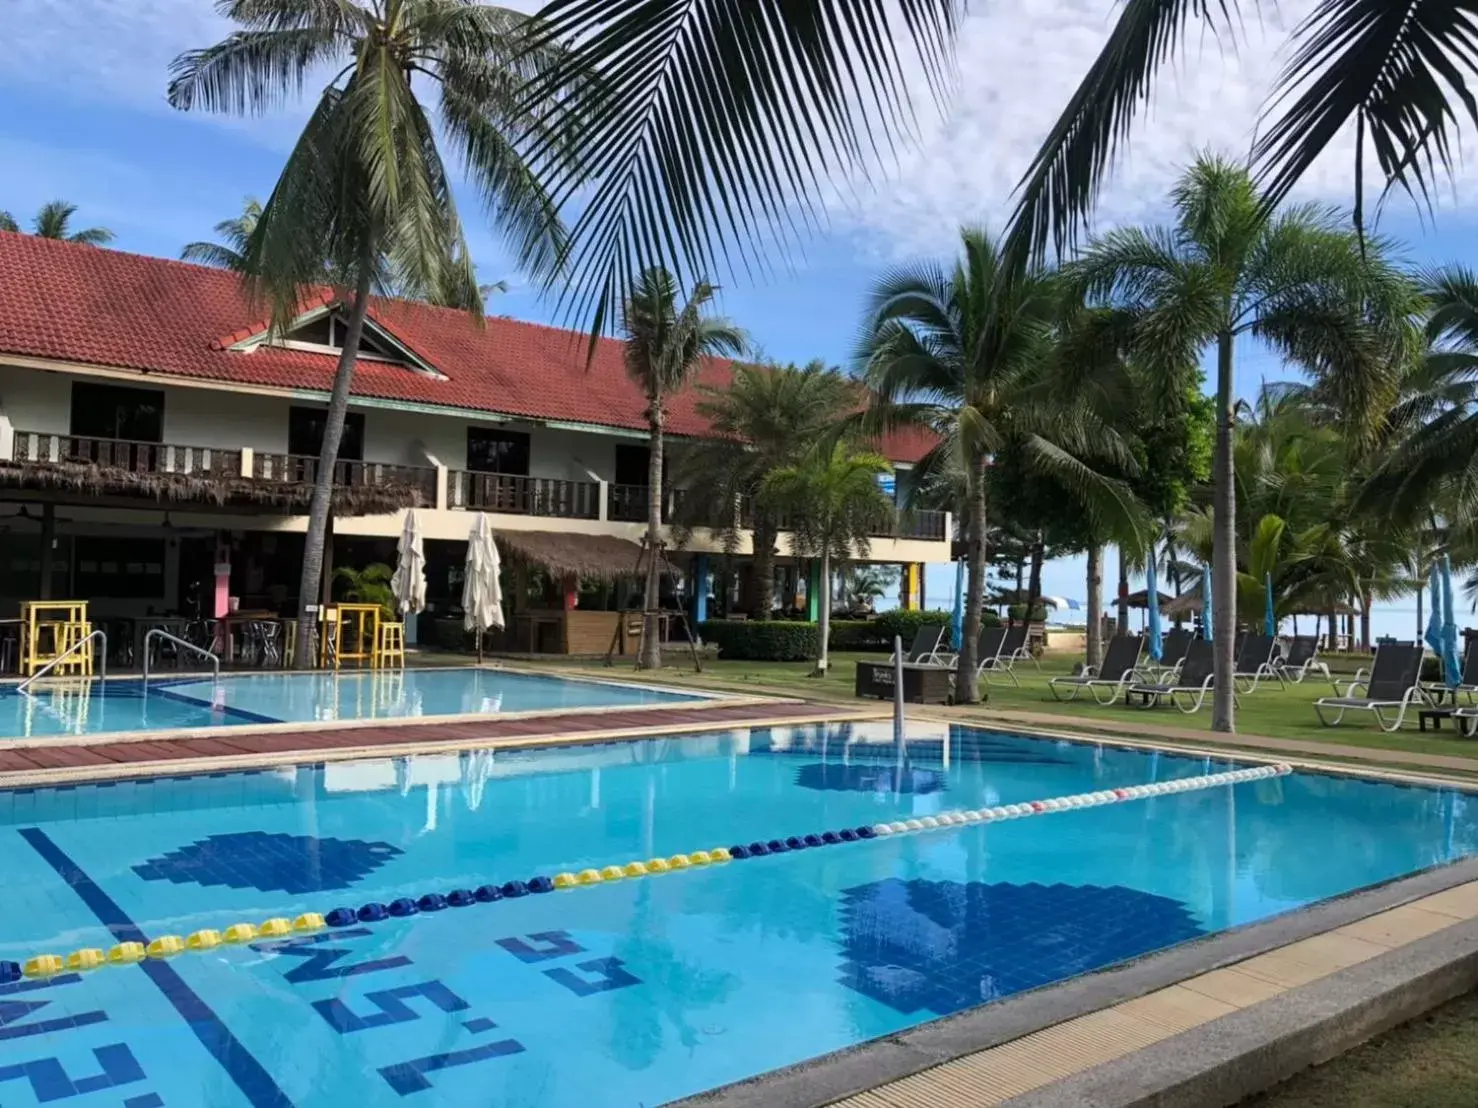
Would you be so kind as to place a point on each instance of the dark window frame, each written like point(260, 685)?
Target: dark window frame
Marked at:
point(305, 441)
point(505, 460)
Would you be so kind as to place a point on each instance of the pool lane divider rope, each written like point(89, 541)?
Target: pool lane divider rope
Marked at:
point(167, 946)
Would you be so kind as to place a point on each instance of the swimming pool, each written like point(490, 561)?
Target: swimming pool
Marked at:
point(638, 991)
point(76, 708)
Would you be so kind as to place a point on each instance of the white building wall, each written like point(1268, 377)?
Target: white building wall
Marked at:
point(35, 401)
point(202, 417)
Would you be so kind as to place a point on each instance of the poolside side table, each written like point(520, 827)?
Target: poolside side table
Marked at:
point(921, 684)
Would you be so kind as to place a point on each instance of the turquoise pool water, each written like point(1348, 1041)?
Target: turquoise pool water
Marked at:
point(75, 708)
point(640, 991)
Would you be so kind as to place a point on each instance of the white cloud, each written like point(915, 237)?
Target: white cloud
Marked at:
point(1020, 61)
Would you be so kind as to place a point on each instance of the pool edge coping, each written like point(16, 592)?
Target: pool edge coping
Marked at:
point(850, 1071)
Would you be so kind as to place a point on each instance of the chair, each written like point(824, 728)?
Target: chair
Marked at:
point(926, 646)
point(1393, 685)
point(1010, 649)
point(1192, 680)
point(268, 636)
point(1256, 661)
point(390, 650)
point(1118, 672)
point(1302, 659)
point(1172, 654)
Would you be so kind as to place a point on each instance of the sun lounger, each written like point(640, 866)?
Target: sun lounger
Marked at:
point(1189, 687)
point(1116, 674)
point(925, 650)
point(1256, 662)
point(1467, 685)
point(1302, 659)
point(1172, 654)
point(1012, 649)
point(1393, 686)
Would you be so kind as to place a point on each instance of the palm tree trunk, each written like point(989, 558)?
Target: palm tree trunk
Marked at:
point(967, 688)
point(1034, 584)
point(823, 628)
point(651, 650)
point(1223, 545)
point(1121, 615)
point(1095, 604)
point(323, 477)
point(1365, 602)
point(762, 576)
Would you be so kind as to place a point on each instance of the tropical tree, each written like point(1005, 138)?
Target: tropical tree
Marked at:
point(836, 502)
point(370, 585)
point(976, 358)
point(665, 345)
point(767, 417)
point(365, 197)
point(54, 221)
point(1400, 71)
point(1228, 269)
point(236, 231)
point(864, 586)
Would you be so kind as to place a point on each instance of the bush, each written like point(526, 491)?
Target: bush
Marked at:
point(1017, 611)
point(776, 640)
point(858, 635)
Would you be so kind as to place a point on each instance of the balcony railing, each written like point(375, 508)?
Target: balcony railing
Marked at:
point(525, 496)
point(300, 469)
point(919, 524)
point(136, 457)
point(628, 503)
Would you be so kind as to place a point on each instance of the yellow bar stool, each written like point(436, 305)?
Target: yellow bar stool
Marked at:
point(390, 650)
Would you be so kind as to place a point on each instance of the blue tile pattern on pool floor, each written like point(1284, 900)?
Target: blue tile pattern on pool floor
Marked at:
point(634, 992)
point(270, 863)
point(943, 946)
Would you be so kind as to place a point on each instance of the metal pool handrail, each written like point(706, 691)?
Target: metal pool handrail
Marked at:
point(76, 646)
point(215, 662)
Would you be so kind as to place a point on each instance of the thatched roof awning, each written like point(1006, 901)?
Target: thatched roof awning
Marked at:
point(569, 554)
point(81, 478)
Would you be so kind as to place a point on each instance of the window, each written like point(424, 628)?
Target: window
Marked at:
point(326, 332)
point(490, 451)
point(117, 412)
point(632, 464)
point(305, 433)
point(119, 568)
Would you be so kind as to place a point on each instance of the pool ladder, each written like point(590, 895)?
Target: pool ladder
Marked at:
point(67, 653)
point(215, 662)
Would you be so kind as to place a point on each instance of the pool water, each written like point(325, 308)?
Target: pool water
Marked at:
point(633, 992)
point(74, 708)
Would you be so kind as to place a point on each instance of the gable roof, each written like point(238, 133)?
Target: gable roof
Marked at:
point(82, 304)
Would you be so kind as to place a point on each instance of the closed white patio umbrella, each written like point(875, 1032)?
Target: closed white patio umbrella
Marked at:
point(409, 581)
point(482, 593)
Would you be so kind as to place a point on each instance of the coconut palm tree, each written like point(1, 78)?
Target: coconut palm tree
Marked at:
point(236, 232)
point(1399, 71)
point(977, 358)
point(766, 418)
point(685, 163)
point(365, 196)
point(665, 345)
point(836, 502)
point(54, 221)
point(1228, 269)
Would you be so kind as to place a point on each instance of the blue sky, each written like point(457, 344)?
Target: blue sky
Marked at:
point(85, 119)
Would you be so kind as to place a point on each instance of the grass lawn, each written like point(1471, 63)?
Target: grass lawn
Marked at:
point(1271, 711)
point(1429, 1063)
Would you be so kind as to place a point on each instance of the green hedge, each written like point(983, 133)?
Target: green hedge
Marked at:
point(876, 635)
point(859, 636)
point(775, 640)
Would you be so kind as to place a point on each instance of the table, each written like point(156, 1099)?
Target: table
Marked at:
point(228, 626)
point(921, 684)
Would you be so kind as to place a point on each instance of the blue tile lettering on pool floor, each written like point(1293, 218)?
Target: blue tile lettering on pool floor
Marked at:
point(603, 975)
point(942, 946)
point(321, 964)
point(550, 944)
point(248, 1074)
point(293, 864)
point(391, 1007)
point(50, 1081)
point(148, 1100)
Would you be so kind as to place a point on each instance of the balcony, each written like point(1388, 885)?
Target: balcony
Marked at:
point(513, 494)
point(301, 470)
point(46, 448)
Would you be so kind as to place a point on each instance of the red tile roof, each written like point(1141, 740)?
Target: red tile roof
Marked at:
point(101, 307)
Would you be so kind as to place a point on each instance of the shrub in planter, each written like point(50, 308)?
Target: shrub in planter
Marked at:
point(776, 640)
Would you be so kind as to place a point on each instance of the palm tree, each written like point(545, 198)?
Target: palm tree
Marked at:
point(766, 418)
point(236, 231)
point(836, 502)
point(974, 358)
point(54, 221)
point(665, 344)
point(1399, 70)
point(1228, 269)
point(683, 162)
point(365, 196)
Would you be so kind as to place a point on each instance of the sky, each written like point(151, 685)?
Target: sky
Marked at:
point(85, 119)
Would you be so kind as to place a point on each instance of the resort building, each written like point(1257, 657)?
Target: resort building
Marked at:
point(158, 448)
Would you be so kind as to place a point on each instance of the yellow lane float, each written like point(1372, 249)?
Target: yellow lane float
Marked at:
point(720, 854)
point(589, 877)
point(127, 954)
point(679, 861)
point(658, 865)
point(309, 921)
point(43, 965)
point(699, 858)
point(205, 939)
point(635, 869)
point(91, 958)
point(565, 881)
point(166, 946)
point(276, 926)
point(240, 933)
point(612, 873)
